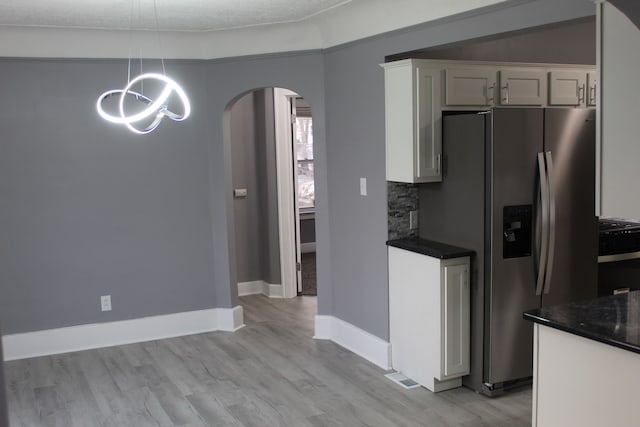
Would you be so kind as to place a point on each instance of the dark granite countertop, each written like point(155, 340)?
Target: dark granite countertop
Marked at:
point(430, 248)
point(613, 320)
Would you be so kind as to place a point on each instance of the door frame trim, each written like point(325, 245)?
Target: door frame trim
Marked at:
point(287, 206)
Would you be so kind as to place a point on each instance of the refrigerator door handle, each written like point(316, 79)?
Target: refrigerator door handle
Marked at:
point(544, 223)
point(552, 223)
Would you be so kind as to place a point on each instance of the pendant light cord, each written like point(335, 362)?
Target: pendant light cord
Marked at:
point(145, 120)
point(130, 42)
point(155, 11)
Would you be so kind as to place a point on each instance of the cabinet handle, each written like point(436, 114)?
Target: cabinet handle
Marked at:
point(438, 166)
point(581, 92)
point(490, 90)
point(506, 93)
point(592, 98)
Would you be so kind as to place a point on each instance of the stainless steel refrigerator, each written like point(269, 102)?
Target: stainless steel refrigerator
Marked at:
point(518, 189)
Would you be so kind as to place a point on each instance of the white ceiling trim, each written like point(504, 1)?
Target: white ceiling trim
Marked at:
point(349, 22)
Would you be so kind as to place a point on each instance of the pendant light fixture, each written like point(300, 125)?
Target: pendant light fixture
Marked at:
point(140, 113)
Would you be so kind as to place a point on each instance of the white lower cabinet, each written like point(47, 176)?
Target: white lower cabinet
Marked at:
point(429, 318)
point(581, 382)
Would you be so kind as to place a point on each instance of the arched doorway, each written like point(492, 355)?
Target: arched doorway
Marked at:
point(273, 191)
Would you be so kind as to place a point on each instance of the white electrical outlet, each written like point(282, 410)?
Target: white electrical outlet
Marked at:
point(105, 302)
point(413, 220)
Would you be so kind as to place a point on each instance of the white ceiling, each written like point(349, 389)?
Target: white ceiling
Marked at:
point(206, 29)
point(173, 15)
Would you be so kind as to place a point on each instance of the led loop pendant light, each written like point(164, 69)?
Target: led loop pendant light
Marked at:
point(158, 107)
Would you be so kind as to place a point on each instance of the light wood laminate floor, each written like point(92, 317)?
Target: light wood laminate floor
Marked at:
point(270, 373)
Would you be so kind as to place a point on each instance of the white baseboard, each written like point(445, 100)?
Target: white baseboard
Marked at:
point(306, 248)
point(97, 335)
point(362, 343)
point(273, 290)
point(260, 287)
point(230, 319)
point(250, 288)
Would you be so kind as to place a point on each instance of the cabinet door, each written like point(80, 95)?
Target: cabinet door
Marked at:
point(428, 141)
point(399, 127)
point(470, 86)
point(455, 320)
point(414, 302)
point(522, 87)
point(567, 87)
point(592, 84)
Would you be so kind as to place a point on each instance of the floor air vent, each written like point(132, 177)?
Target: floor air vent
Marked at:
point(402, 380)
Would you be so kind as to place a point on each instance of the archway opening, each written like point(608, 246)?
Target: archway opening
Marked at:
point(270, 137)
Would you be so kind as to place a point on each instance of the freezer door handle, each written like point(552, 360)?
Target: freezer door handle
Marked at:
point(552, 223)
point(544, 223)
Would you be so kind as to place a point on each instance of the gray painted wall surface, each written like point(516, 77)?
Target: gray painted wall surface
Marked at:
point(229, 79)
point(268, 216)
point(4, 416)
point(355, 148)
point(567, 43)
point(248, 236)
point(253, 168)
point(631, 8)
point(620, 112)
point(89, 209)
point(307, 230)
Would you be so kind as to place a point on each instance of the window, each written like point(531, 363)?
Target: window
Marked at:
point(304, 156)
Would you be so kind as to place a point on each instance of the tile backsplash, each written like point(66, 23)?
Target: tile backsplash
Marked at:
point(401, 199)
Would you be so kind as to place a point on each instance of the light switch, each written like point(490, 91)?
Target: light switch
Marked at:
point(240, 193)
point(363, 186)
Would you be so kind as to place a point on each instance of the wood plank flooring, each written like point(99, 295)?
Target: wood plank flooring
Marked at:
point(270, 373)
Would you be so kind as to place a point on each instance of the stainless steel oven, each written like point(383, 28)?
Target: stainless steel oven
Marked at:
point(618, 256)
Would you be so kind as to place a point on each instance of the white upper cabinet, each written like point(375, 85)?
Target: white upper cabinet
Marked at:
point(470, 86)
point(412, 123)
point(567, 87)
point(418, 91)
point(523, 87)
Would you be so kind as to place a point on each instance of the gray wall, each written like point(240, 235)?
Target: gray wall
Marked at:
point(268, 217)
point(248, 236)
point(302, 73)
point(355, 148)
point(307, 230)
point(566, 43)
point(4, 417)
point(630, 8)
point(254, 168)
point(620, 112)
point(89, 209)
